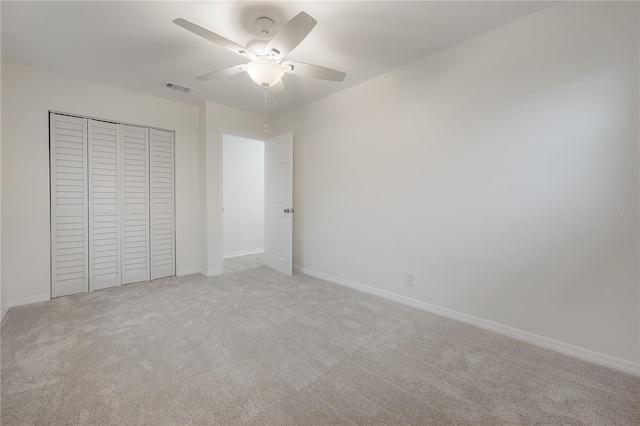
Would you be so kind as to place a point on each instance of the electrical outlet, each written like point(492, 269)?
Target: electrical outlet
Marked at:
point(409, 278)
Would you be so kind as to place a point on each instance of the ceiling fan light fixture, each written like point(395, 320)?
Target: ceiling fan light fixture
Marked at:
point(267, 52)
point(264, 73)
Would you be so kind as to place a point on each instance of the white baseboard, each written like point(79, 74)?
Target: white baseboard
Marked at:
point(545, 342)
point(243, 253)
point(212, 273)
point(29, 300)
point(198, 271)
point(189, 272)
point(25, 301)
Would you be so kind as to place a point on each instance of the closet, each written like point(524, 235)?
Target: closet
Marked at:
point(135, 211)
point(112, 204)
point(104, 226)
point(162, 194)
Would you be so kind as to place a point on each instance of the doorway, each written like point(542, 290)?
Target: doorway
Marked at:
point(243, 201)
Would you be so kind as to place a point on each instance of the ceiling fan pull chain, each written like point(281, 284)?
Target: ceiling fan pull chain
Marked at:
point(265, 110)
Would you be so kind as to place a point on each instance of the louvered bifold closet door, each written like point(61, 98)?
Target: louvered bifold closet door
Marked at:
point(69, 222)
point(163, 251)
point(104, 229)
point(135, 235)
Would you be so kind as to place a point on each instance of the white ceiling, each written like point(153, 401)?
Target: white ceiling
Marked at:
point(134, 45)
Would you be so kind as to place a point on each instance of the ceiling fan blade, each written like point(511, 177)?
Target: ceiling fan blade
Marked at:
point(291, 34)
point(213, 37)
point(277, 89)
point(225, 72)
point(313, 71)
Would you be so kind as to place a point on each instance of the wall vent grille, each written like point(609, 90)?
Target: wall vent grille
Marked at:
point(178, 87)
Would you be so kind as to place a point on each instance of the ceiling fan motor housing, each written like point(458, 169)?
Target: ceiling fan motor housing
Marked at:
point(258, 46)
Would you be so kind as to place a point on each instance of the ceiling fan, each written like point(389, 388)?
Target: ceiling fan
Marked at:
point(266, 66)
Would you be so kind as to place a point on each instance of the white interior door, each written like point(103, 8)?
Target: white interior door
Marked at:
point(279, 203)
point(69, 221)
point(104, 223)
point(135, 215)
point(163, 248)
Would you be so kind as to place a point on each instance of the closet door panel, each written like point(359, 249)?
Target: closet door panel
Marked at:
point(104, 223)
point(69, 221)
point(163, 252)
point(135, 245)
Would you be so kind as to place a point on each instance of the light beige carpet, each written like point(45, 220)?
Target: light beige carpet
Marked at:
point(240, 263)
point(259, 348)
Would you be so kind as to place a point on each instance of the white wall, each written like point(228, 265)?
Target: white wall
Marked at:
point(3, 299)
point(220, 120)
point(243, 195)
point(487, 170)
point(202, 167)
point(27, 96)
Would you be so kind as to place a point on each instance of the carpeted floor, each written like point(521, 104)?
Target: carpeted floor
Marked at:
point(255, 347)
point(240, 263)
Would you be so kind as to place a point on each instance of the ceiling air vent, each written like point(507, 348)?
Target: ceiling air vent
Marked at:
point(178, 87)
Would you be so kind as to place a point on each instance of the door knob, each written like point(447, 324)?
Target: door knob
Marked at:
point(286, 210)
